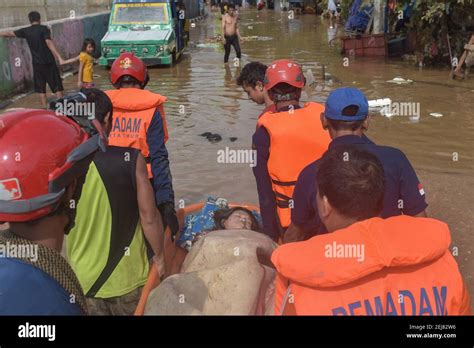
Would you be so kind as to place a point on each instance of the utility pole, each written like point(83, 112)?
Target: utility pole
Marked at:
point(379, 16)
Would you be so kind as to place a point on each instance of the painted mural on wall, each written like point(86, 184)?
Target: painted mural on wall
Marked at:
point(68, 36)
point(16, 71)
point(20, 64)
point(6, 82)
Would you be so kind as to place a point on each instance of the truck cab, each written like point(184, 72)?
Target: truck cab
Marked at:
point(151, 29)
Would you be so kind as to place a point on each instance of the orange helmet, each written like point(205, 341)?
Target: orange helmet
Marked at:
point(41, 154)
point(127, 65)
point(284, 71)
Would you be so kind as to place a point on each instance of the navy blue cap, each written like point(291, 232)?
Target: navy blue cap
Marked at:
point(341, 98)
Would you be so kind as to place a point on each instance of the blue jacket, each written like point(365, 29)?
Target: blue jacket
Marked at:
point(401, 185)
point(160, 165)
point(27, 290)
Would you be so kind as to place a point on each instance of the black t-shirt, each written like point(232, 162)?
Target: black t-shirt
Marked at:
point(36, 36)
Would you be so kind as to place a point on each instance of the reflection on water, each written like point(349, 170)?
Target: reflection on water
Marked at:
point(332, 33)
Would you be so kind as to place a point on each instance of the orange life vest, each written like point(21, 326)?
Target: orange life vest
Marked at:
point(297, 138)
point(133, 112)
point(406, 268)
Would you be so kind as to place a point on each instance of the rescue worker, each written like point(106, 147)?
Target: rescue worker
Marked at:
point(346, 119)
point(117, 212)
point(139, 122)
point(367, 265)
point(251, 80)
point(286, 141)
point(40, 182)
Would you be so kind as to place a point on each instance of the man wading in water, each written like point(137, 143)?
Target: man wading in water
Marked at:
point(230, 33)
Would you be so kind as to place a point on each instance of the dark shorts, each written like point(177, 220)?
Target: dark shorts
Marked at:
point(47, 74)
point(121, 305)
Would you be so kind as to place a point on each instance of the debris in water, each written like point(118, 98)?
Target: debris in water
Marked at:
point(212, 137)
point(328, 77)
point(310, 80)
point(208, 45)
point(436, 114)
point(301, 52)
point(381, 105)
point(256, 38)
point(400, 81)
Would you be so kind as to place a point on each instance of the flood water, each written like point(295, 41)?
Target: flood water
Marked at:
point(214, 103)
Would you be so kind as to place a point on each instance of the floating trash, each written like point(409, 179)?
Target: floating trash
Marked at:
point(381, 105)
point(208, 45)
point(301, 52)
point(400, 81)
point(256, 38)
point(212, 137)
point(310, 80)
point(436, 114)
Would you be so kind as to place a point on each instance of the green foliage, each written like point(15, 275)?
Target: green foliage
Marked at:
point(433, 20)
point(434, 13)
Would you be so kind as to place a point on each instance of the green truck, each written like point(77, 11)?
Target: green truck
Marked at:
point(152, 29)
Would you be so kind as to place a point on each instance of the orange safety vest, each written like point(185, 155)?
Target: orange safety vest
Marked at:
point(297, 138)
point(133, 112)
point(405, 268)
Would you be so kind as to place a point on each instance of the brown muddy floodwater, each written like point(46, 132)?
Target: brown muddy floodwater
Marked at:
point(214, 103)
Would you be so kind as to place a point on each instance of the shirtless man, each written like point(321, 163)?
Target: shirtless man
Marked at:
point(230, 33)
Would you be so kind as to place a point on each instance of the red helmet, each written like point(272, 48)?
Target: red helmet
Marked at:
point(284, 71)
point(128, 65)
point(40, 155)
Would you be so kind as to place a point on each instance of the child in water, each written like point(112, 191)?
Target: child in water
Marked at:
point(85, 75)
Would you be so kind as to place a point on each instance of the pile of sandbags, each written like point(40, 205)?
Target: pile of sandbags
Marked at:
point(226, 273)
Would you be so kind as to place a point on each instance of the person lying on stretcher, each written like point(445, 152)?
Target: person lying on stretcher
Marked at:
point(237, 218)
point(216, 215)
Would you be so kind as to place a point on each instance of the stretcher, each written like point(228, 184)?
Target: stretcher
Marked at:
point(174, 255)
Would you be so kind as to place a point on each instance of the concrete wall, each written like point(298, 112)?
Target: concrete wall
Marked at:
point(16, 73)
point(36, 3)
point(15, 12)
